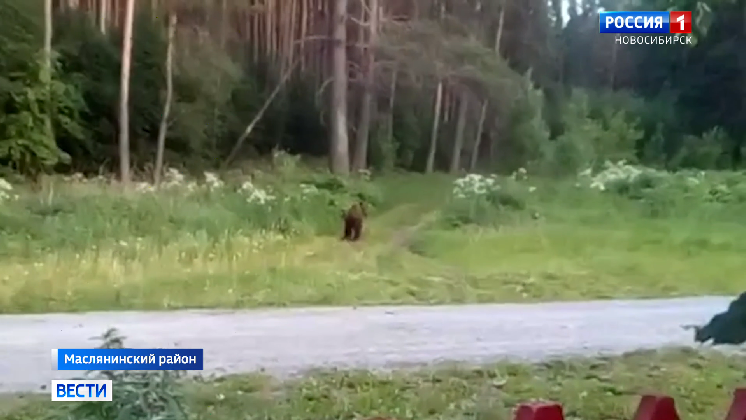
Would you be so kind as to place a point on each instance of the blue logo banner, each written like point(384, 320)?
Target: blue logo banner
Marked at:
point(634, 22)
point(127, 359)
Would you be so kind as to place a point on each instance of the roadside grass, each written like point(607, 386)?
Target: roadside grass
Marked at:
point(85, 247)
point(580, 261)
point(590, 389)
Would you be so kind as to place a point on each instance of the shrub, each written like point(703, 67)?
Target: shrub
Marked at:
point(663, 192)
point(708, 151)
point(590, 139)
point(78, 213)
point(487, 200)
point(140, 395)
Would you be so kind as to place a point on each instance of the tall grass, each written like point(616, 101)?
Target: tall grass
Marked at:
point(271, 238)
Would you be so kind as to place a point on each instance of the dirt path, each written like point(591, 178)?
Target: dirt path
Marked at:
point(290, 341)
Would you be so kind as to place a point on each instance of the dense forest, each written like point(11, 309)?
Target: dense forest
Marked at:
point(124, 85)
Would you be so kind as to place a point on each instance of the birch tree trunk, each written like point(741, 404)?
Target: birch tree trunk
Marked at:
point(498, 44)
point(340, 144)
point(169, 97)
point(124, 91)
point(47, 70)
point(392, 99)
point(48, 37)
point(458, 142)
point(103, 20)
point(360, 158)
point(478, 139)
point(434, 133)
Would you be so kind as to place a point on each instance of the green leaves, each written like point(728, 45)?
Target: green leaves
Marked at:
point(35, 106)
point(140, 395)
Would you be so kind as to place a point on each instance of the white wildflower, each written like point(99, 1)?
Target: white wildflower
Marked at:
point(144, 187)
point(614, 173)
point(172, 178)
point(256, 194)
point(6, 191)
point(213, 181)
point(475, 185)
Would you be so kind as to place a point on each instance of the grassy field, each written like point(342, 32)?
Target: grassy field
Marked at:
point(82, 245)
point(589, 389)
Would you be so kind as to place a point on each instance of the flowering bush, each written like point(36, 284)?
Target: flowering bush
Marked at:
point(487, 200)
point(663, 190)
point(616, 174)
point(78, 213)
point(6, 191)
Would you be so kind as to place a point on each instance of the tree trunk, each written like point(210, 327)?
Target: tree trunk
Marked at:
point(498, 44)
point(434, 133)
point(340, 144)
point(103, 16)
point(499, 32)
point(223, 30)
point(169, 97)
point(48, 36)
point(124, 91)
point(360, 159)
point(392, 97)
point(458, 142)
point(47, 71)
point(478, 139)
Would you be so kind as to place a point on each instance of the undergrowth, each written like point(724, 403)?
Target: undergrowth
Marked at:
point(270, 237)
point(494, 200)
point(79, 214)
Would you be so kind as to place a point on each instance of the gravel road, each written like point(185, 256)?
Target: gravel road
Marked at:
point(289, 341)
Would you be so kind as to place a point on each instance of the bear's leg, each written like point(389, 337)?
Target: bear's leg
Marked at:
point(358, 229)
point(348, 229)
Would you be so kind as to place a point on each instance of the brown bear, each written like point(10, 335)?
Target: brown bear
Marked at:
point(353, 221)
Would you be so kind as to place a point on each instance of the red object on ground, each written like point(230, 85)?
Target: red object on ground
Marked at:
point(656, 407)
point(651, 407)
point(539, 411)
point(737, 409)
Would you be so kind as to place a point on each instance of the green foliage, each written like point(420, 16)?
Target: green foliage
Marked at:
point(486, 201)
point(79, 214)
point(205, 79)
point(139, 394)
point(526, 128)
point(637, 116)
point(344, 191)
point(663, 193)
point(708, 151)
point(588, 140)
point(20, 36)
point(36, 104)
point(383, 150)
point(91, 61)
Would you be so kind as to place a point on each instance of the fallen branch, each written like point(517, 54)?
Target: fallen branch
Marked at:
point(258, 116)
